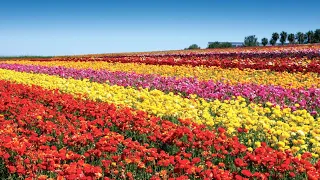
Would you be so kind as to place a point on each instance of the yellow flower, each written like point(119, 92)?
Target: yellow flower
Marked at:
point(281, 144)
point(301, 142)
point(269, 104)
point(299, 156)
point(315, 155)
point(295, 149)
point(257, 144)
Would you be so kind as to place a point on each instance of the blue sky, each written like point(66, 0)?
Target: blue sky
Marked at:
point(67, 27)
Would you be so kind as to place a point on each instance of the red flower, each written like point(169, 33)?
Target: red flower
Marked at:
point(196, 160)
point(129, 175)
point(222, 165)
point(239, 162)
point(246, 173)
point(221, 130)
point(292, 174)
point(12, 169)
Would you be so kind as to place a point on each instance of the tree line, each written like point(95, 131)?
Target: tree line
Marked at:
point(298, 38)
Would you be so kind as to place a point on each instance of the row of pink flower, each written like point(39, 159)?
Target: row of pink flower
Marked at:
point(308, 99)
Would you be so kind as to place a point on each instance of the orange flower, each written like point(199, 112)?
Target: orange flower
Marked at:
point(128, 161)
point(163, 173)
point(42, 177)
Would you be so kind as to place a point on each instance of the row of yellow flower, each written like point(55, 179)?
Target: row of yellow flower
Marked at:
point(283, 128)
point(233, 76)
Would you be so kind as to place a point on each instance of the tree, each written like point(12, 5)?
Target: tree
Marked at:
point(291, 38)
point(219, 45)
point(272, 42)
point(309, 36)
point(225, 45)
point(275, 37)
point(251, 41)
point(214, 45)
point(300, 37)
point(193, 46)
point(264, 41)
point(283, 37)
point(316, 36)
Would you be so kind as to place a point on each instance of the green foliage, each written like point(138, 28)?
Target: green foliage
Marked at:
point(272, 42)
point(291, 38)
point(275, 37)
point(300, 37)
point(251, 41)
point(24, 57)
point(220, 45)
point(193, 46)
point(283, 37)
point(4, 174)
point(264, 41)
point(309, 36)
point(317, 36)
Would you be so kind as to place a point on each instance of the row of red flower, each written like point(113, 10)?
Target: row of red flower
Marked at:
point(275, 64)
point(75, 138)
point(41, 141)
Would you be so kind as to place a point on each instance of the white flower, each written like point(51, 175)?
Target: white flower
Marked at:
point(300, 132)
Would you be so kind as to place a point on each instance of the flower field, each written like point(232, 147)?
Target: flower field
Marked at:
point(238, 113)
